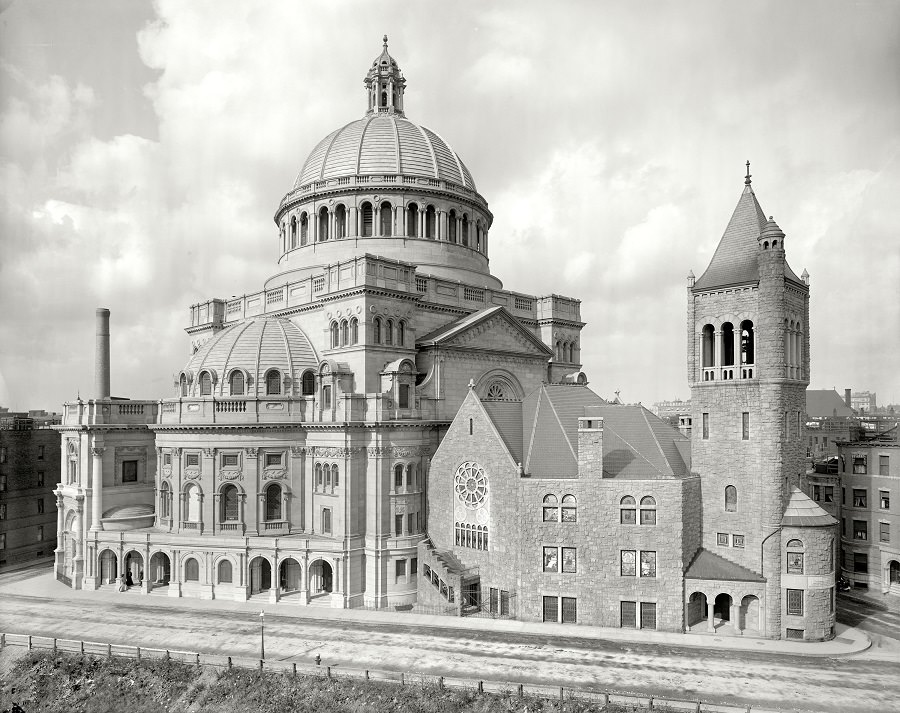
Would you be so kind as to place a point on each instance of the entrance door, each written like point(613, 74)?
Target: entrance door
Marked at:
point(260, 575)
point(722, 607)
point(134, 566)
point(109, 569)
point(320, 577)
point(160, 569)
point(290, 575)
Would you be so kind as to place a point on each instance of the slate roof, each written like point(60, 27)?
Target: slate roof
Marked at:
point(638, 445)
point(735, 261)
point(801, 511)
point(507, 418)
point(825, 403)
point(710, 566)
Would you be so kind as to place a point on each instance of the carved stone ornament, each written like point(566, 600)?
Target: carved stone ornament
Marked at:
point(231, 475)
point(399, 451)
point(192, 474)
point(251, 452)
point(274, 474)
point(97, 451)
point(176, 452)
point(331, 452)
point(209, 452)
point(298, 451)
point(167, 471)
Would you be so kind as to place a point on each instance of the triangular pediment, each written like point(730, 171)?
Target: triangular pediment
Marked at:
point(492, 329)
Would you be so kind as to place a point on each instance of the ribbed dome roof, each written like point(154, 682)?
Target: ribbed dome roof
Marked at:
point(384, 144)
point(255, 346)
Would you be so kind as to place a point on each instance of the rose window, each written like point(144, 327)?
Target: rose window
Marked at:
point(471, 485)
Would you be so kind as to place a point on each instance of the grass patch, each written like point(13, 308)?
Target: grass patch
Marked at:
point(51, 682)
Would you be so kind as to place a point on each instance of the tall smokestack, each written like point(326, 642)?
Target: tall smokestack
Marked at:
point(101, 359)
point(847, 399)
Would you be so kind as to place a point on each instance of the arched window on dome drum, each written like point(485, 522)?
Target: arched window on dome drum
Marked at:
point(430, 217)
point(273, 383)
point(387, 219)
point(340, 222)
point(389, 332)
point(731, 499)
point(308, 383)
point(748, 345)
point(273, 502)
point(708, 345)
point(205, 383)
point(376, 330)
point(478, 237)
point(183, 383)
point(401, 333)
point(345, 332)
point(383, 98)
point(323, 224)
point(354, 331)
point(334, 335)
point(451, 226)
point(293, 231)
point(367, 219)
point(465, 229)
point(228, 504)
point(412, 220)
point(236, 383)
point(727, 344)
point(304, 228)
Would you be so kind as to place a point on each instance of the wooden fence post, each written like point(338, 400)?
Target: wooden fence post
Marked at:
point(229, 662)
point(82, 647)
point(138, 652)
point(260, 664)
point(54, 643)
point(651, 702)
point(29, 642)
point(167, 655)
point(294, 667)
point(109, 651)
point(441, 683)
point(367, 674)
point(521, 691)
point(481, 686)
point(198, 658)
point(562, 696)
point(402, 681)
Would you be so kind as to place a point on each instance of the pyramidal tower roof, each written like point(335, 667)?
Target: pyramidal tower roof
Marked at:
point(801, 511)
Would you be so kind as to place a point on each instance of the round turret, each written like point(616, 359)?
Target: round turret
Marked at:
point(771, 236)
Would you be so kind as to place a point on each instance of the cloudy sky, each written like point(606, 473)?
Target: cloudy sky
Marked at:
point(145, 146)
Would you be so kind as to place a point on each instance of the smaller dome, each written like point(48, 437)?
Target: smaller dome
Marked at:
point(771, 230)
point(255, 348)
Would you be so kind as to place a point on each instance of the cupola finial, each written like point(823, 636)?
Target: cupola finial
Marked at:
point(384, 39)
point(747, 178)
point(385, 84)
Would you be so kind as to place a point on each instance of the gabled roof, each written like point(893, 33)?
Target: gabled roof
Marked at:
point(710, 566)
point(507, 419)
point(638, 445)
point(494, 319)
point(801, 511)
point(825, 403)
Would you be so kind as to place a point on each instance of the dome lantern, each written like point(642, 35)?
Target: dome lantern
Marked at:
point(385, 85)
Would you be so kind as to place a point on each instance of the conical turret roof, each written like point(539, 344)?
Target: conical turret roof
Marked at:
point(801, 511)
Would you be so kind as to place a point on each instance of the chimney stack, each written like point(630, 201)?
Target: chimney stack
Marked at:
point(101, 358)
point(590, 446)
point(847, 399)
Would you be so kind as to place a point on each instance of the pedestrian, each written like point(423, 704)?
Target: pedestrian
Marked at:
point(128, 580)
point(122, 585)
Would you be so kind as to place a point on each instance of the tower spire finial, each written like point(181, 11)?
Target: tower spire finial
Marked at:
point(385, 41)
point(747, 178)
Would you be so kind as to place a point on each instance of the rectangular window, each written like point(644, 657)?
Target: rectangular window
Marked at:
point(400, 568)
point(129, 471)
point(494, 601)
point(2, 511)
point(414, 565)
point(273, 459)
point(828, 493)
point(504, 603)
point(860, 529)
point(843, 496)
point(551, 609)
point(843, 527)
point(884, 463)
point(40, 479)
point(398, 477)
point(40, 506)
point(40, 453)
point(795, 563)
point(411, 523)
point(569, 560)
point(795, 602)
point(569, 514)
point(2, 483)
point(745, 426)
point(817, 493)
point(859, 465)
point(648, 615)
point(722, 539)
point(229, 460)
point(884, 531)
point(629, 563)
point(859, 498)
point(451, 597)
point(398, 525)
point(628, 615)
point(860, 562)
point(326, 521)
point(326, 396)
point(569, 610)
point(2, 454)
point(627, 516)
point(884, 498)
point(40, 533)
point(705, 426)
point(648, 517)
point(551, 514)
point(648, 564)
point(551, 559)
point(167, 459)
point(192, 460)
point(737, 541)
point(404, 396)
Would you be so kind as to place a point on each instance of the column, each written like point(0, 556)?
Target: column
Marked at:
point(737, 349)
point(332, 222)
point(313, 222)
point(397, 216)
point(241, 498)
point(96, 488)
point(459, 230)
point(275, 588)
point(735, 617)
point(422, 221)
point(440, 226)
point(60, 545)
point(215, 517)
point(710, 615)
point(717, 358)
point(376, 220)
point(352, 224)
point(260, 513)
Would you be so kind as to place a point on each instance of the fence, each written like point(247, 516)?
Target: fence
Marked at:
point(561, 693)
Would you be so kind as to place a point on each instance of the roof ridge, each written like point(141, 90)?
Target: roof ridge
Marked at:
point(430, 146)
point(362, 137)
point(334, 136)
point(607, 426)
point(534, 422)
point(561, 427)
point(655, 438)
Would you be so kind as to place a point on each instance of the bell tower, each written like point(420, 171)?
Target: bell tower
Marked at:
point(385, 85)
point(748, 366)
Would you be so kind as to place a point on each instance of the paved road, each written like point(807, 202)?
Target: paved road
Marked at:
point(866, 682)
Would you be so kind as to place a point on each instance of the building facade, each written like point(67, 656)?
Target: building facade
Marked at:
point(29, 463)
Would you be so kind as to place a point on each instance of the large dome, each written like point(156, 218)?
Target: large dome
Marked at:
point(381, 144)
point(255, 347)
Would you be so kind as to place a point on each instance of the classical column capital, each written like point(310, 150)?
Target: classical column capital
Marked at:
point(97, 451)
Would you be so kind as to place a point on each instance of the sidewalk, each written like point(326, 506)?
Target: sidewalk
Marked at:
point(848, 640)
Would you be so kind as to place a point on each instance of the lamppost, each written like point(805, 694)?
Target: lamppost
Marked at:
point(262, 634)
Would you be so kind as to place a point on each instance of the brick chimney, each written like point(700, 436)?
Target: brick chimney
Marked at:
point(101, 358)
point(590, 447)
point(847, 399)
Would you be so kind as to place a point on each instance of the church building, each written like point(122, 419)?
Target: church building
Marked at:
point(382, 425)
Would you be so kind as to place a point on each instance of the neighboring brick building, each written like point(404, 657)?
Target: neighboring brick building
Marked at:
point(29, 464)
point(870, 511)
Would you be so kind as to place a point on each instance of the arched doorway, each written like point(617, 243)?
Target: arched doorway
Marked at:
point(696, 609)
point(160, 569)
point(109, 567)
point(894, 573)
point(260, 575)
point(134, 568)
point(321, 577)
point(722, 607)
point(289, 576)
point(749, 613)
